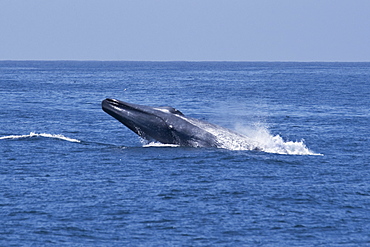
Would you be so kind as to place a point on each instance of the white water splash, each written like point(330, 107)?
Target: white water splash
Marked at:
point(263, 140)
point(255, 137)
point(158, 144)
point(32, 134)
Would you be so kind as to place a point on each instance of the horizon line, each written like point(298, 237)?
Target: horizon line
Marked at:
point(189, 61)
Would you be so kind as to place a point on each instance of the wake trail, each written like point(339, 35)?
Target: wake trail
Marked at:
point(33, 134)
point(256, 137)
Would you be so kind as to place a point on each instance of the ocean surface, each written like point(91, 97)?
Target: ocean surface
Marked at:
point(71, 175)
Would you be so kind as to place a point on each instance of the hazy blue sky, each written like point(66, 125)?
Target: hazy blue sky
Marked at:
point(191, 30)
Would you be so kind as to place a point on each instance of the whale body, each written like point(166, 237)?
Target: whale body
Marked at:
point(170, 126)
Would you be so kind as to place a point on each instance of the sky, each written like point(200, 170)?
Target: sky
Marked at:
point(185, 30)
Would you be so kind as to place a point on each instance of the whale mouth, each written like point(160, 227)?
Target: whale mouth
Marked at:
point(111, 106)
point(108, 104)
point(112, 101)
point(120, 110)
point(142, 120)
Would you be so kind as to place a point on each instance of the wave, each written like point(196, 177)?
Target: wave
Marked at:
point(32, 134)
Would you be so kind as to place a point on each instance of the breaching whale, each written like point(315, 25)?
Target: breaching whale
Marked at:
point(170, 126)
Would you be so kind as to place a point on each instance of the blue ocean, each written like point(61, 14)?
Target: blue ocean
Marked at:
point(71, 175)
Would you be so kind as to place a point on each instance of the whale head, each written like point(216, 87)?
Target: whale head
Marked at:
point(163, 124)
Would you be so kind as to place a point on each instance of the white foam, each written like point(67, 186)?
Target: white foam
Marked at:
point(158, 144)
point(263, 140)
point(32, 134)
point(256, 137)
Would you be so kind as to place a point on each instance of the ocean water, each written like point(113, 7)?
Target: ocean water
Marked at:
point(71, 175)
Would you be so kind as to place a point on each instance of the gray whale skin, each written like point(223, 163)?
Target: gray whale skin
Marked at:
point(167, 125)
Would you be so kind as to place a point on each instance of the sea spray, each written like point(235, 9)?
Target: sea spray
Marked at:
point(260, 135)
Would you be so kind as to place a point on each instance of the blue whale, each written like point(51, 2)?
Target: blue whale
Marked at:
point(170, 126)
